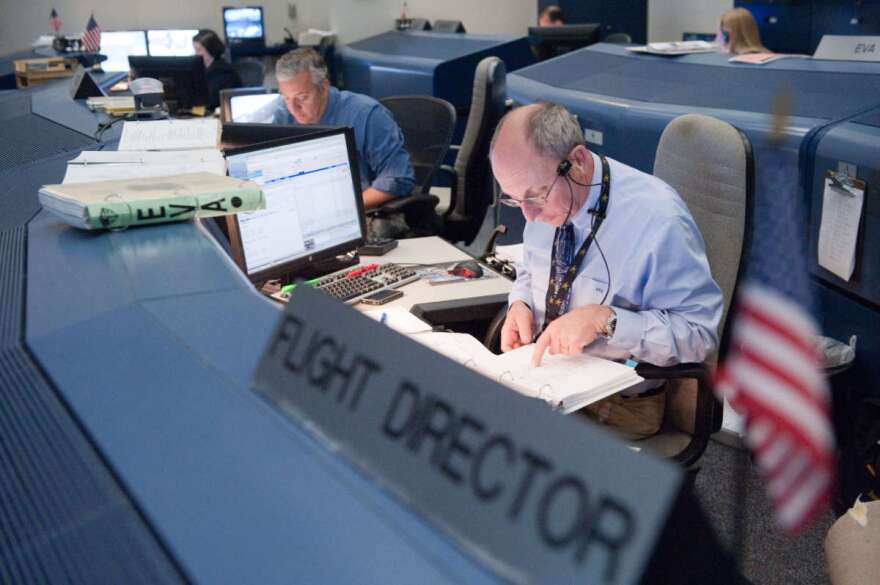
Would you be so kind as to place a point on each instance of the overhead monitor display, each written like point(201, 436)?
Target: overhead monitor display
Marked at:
point(171, 42)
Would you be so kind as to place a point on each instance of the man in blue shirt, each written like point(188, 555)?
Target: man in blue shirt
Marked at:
point(308, 98)
point(642, 289)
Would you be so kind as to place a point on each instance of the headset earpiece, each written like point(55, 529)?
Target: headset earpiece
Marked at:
point(563, 168)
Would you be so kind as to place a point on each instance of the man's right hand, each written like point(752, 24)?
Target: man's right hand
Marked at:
point(517, 329)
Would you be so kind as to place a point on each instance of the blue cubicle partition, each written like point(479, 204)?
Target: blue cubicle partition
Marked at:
point(851, 307)
point(425, 63)
point(798, 26)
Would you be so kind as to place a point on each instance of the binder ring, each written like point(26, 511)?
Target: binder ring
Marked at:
point(116, 198)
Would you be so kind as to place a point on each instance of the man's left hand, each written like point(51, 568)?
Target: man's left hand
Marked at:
point(572, 332)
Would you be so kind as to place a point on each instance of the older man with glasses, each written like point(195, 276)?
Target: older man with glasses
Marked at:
point(613, 262)
point(385, 168)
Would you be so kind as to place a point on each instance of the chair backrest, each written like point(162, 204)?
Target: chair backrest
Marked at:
point(449, 26)
point(710, 163)
point(474, 175)
point(618, 39)
point(427, 124)
point(250, 71)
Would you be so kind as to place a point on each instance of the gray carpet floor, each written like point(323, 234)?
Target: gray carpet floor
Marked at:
point(767, 557)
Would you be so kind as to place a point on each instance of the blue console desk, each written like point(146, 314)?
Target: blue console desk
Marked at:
point(134, 450)
point(425, 63)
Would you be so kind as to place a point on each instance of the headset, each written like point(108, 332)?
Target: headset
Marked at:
point(599, 213)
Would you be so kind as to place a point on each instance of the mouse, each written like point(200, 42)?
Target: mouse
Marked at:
point(467, 269)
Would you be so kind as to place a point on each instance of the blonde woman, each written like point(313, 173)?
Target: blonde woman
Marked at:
point(738, 33)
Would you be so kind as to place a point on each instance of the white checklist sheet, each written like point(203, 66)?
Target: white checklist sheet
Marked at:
point(839, 227)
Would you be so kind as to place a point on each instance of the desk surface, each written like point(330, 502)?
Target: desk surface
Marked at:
point(429, 251)
point(427, 45)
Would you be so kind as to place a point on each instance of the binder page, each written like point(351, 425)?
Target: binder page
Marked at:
point(839, 227)
point(170, 134)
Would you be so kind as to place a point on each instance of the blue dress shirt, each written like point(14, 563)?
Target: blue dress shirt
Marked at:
point(668, 306)
point(384, 162)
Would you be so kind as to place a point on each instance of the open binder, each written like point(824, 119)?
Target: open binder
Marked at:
point(567, 383)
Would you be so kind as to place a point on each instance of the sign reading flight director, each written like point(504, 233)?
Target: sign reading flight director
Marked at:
point(537, 496)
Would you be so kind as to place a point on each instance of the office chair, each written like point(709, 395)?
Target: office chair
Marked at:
point(851, 546)
point(250, 70)
point(449, 26)
point(471, 177)
point(710, 164)
point(427, 124)
point(419, 24)
point(618, 39)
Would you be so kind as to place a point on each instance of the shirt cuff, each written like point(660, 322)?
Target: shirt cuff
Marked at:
point(399, 187)
point(628, 332)
point(514, 297)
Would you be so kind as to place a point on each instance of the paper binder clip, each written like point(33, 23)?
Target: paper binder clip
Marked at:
point(842, 182)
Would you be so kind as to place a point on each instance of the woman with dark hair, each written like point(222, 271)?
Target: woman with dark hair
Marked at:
point(219, 74)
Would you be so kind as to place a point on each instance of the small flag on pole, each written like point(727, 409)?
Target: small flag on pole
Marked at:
point(772, 373)
point(91, 39)
point(54, 21)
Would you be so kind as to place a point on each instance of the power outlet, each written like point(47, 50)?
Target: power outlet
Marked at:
point(291, 11)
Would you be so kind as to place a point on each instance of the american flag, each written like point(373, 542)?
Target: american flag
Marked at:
point(772, 374)
point(91, 39)
point(54, 21)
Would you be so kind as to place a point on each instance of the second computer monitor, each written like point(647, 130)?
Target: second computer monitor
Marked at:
point(552, 41)
point(248, 104)
point(119, 45)
point(314, 210)
point(171, 42)
point(243, 25)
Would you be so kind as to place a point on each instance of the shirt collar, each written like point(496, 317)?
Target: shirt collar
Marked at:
point(583, 218)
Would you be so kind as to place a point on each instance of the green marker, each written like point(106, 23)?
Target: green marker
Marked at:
point(288, 288)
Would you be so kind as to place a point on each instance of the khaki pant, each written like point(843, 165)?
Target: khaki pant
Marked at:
point(631, 419)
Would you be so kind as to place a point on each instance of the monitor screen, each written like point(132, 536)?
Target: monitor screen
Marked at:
point(118, 45)
point(171, 42)
point(314, 209)
point(552, 41)
point(258, 109)
point(245, 22)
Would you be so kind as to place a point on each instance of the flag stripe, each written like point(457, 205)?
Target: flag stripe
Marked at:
point(777, 308)
point(781, 401)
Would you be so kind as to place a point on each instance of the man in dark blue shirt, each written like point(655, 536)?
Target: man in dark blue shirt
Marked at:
point(308, 98)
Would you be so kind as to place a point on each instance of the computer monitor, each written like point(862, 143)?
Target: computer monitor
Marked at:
point(171, 42)
point(119, 45)
point(314, 211)
point(183, 78)
point(244, 26)
point(552, 41)
point(248, 104)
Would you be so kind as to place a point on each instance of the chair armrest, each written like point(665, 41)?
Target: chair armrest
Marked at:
point(453, 187)
point(705, 413)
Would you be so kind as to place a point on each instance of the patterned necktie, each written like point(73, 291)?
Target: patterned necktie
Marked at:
point(563, 255)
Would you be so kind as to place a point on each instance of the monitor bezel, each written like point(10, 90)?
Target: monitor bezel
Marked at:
point(238, 41)
point(226, 96)
point(303, 262)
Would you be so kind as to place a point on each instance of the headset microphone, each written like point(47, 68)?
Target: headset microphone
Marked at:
point(563, 168)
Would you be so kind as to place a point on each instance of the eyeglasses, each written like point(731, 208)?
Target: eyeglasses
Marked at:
point(300, 99)
point(539, 201)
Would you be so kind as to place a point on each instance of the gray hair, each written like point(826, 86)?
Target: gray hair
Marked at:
point(552, 131)
point(295, 62)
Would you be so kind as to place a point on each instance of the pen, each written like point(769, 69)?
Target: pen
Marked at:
point(383, 317)
point(288, 288)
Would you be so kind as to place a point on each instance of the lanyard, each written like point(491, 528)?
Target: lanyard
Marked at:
point(557, 296)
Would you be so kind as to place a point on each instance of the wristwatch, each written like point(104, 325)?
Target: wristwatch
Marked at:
point(610, 325)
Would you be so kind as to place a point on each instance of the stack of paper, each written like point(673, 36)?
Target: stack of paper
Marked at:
point(112, 106)
point(115, 204)
point(171, 134)
point(104, 165)
point(567, 383)
point(676, 48)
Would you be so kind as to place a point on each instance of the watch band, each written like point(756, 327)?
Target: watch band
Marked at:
point(610, 325)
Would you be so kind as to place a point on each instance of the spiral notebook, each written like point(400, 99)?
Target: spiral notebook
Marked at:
point(567, 383)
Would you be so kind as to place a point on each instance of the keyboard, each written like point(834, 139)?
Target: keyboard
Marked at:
point(352, 284)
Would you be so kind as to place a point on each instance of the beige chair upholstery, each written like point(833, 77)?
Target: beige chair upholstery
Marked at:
point(709, 163)
point(852, 547)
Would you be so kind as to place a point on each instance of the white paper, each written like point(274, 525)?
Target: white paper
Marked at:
point(148, 156)
point(170, 134)
point(511, 253)
point(400, 320)
point(839, 229)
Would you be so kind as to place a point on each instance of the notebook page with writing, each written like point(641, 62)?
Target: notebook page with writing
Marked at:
point(170, 134)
